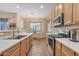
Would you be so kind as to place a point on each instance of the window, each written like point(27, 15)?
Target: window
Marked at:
point(3, 23)
point(35, 27)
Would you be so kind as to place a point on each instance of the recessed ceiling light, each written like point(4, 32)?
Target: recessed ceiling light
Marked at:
point(17, 6)
point(41, 6)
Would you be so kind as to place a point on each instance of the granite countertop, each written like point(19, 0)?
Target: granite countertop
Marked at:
point(6, 44)
point(72, 45)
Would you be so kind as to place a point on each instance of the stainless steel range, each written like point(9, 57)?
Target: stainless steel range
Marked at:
point(51, 39)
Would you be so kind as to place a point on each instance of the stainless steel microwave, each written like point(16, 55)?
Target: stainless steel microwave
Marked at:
point(58, 20)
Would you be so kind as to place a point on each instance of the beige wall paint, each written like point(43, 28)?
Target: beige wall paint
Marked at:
point(11, 16)
point(42, 33)
point(42, 21)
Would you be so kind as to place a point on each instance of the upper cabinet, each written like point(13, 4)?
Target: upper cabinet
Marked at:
point(49, 17)
point(52, 14)
point(60, 8)
point(75, 13)
point(70, 13)
point(67, 13)
point(56, 11)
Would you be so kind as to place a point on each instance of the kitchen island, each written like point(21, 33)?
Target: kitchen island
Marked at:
point(16, 47)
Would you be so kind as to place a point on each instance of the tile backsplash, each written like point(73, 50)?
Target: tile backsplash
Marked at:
point(61, 29)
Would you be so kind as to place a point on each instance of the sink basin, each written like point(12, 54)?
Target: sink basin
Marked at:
point(17, 37)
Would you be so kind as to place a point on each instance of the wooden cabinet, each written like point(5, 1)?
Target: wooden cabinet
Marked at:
point(56, 11)
point(26, 45)
point(52, 14)
point(16, 52)
point(67, 13)
point(76, 54)
point(57, 48)
point(60, 9)
point(75, 13)
point(20, 49)
point(30, 42)
point(13, 51)
point(53, 17)
point(0, 54)
point(67, 51)
point(23, 48)
point(70, 11)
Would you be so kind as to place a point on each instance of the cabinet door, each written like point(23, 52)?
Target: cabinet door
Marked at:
point(57, 48)
point(31, 38)
point(28, 46)
point(23, 51)
point(67, 51)
point(77, 54)
point(56, 11)
point(75, 13)
point(60, 9)
point(53, 16)
point(50, 16)
point(57, 51)
point(67, 13)
point(23, 48)
point(29, 42)
point(16, 52)
point(0, 54)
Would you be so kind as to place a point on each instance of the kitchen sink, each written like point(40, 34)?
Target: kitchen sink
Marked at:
point(17, 37)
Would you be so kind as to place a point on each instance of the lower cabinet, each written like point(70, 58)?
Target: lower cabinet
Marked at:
point(62, 50)
point(30, 42)
point(20, 49)
point(67, 51)
point(57, 48)
point(13, 51)
point(76, 54)
point(16, 52)
point(26, 46)
point(23, 48)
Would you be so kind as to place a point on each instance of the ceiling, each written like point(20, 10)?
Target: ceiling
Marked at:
point(28, 10)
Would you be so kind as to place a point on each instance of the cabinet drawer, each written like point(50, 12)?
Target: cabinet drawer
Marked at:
point(57, 51)
point(67, 51)
point(58, 44)
point(11, 50)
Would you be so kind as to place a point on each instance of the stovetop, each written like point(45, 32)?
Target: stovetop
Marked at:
point(59, 36)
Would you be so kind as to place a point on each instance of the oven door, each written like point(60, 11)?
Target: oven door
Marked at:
point(51, 44)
